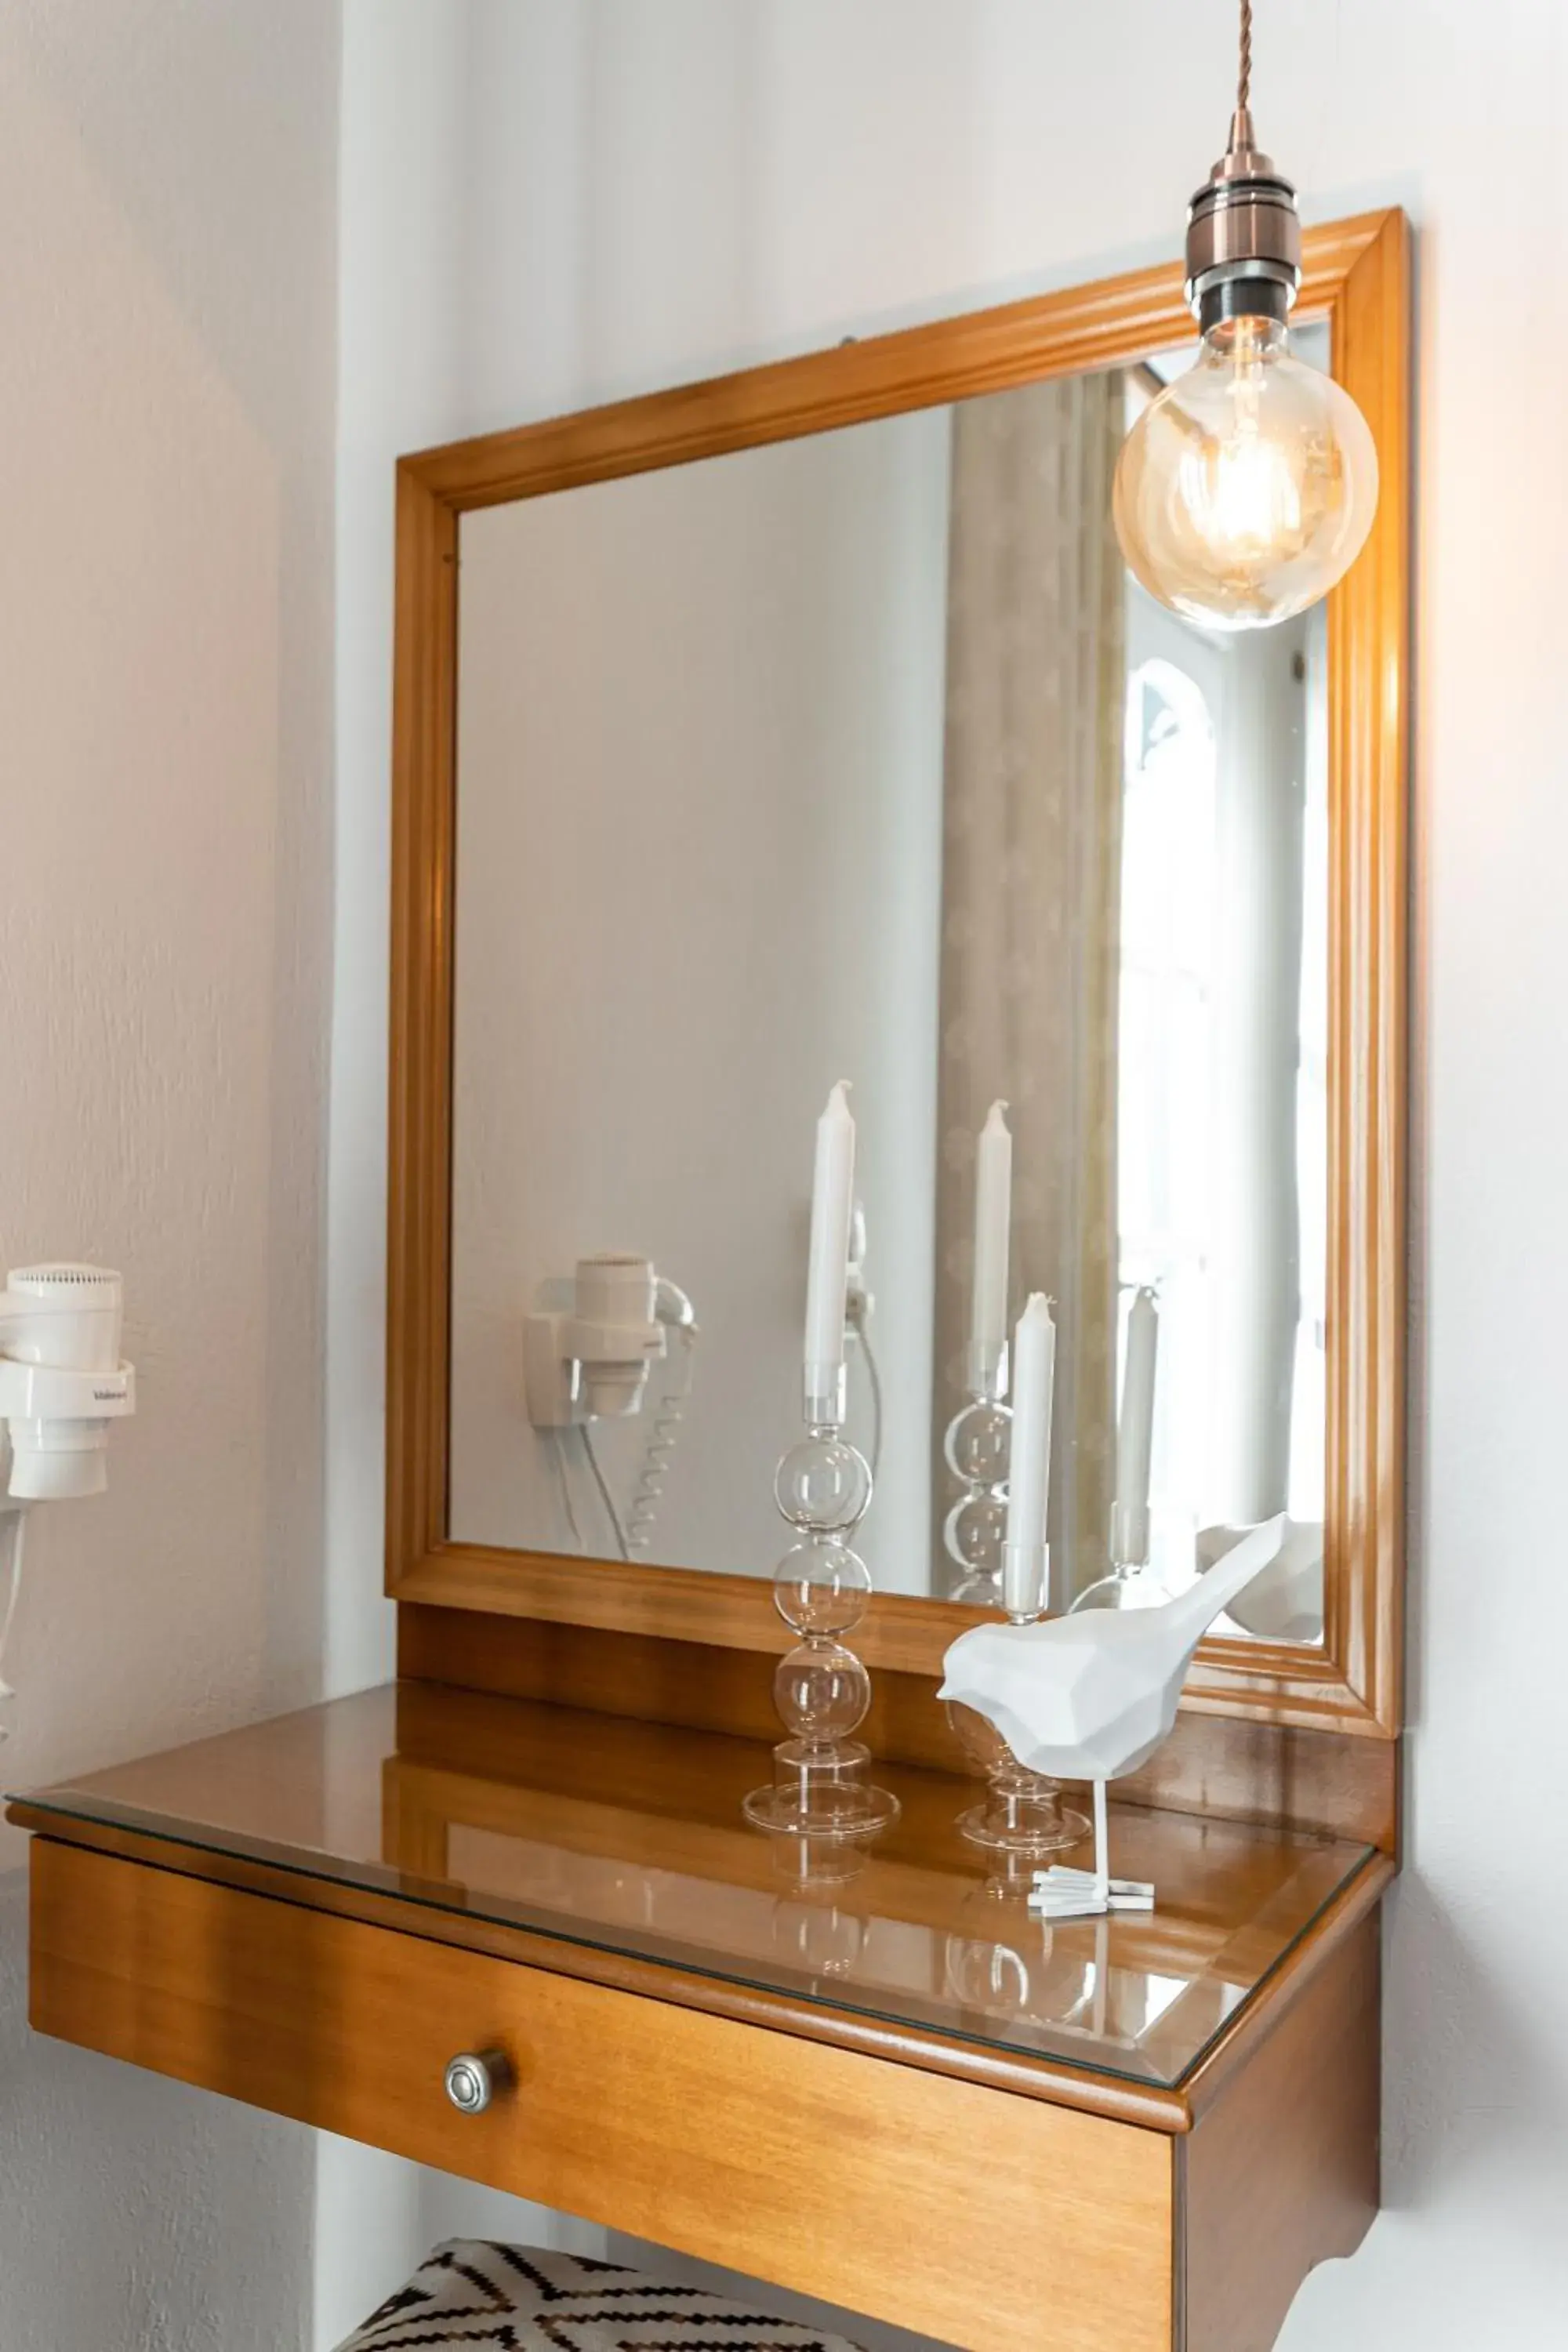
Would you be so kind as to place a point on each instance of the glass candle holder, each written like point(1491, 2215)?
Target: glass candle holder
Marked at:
point(821, 1689)
point(1025, 1816)
point(1131, 1582)
point(975, 1448)
point(816, 1927)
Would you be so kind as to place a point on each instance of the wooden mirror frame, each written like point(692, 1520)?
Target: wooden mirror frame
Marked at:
point(1357, 277)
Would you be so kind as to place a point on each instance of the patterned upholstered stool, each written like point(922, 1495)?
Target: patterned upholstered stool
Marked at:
point(514, 2299)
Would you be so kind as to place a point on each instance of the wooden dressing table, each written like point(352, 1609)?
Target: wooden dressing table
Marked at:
point(898, 2091)
point(879, 2082)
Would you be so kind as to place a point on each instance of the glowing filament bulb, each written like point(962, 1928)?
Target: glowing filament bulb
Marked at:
point(1244, 496)
point(1248, 488)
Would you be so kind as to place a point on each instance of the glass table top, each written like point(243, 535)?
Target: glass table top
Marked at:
point(626, 1838)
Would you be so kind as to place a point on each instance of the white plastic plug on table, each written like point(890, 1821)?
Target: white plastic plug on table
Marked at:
point(1091, 1697)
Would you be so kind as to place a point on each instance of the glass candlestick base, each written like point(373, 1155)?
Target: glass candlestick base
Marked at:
point(812, 1929)
point(821, 1795)
point(1023, 1814)
point(1027, 1822)
point(813, 1868)
point(1009, 1879)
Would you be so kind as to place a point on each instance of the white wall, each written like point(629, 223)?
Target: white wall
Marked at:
point(674, 929)
point(642, 190)
point(167, 298)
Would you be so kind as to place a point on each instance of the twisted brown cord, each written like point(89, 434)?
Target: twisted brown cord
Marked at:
point(1243, 79)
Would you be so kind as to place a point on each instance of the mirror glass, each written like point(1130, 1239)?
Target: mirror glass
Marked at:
point(861, 757)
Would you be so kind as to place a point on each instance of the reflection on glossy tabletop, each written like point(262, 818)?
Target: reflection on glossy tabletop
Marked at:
point(626, 1838)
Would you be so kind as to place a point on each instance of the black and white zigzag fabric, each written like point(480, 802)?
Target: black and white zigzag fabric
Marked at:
point(514, 2299)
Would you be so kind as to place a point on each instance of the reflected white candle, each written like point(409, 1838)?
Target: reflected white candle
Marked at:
point(1029, 1461)
point(832, 1206)
point(1135, 1432)
point(992, 1219)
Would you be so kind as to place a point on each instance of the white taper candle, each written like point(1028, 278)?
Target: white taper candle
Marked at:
point(1135, 1432)
point(993, 1220)
point(1029, 1461)
point(832, 1206)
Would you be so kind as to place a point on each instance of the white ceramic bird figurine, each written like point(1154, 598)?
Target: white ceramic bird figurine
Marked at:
point(1286, 1603)
point(1090, 1698)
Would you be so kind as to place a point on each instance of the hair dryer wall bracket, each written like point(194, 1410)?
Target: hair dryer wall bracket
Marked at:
point(588, 1346)
point(61, 1378)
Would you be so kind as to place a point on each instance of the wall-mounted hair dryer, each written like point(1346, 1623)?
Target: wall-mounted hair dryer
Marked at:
point(61, 1379)
point(587, 1350)
point(589, 1359)
point(61, 1384)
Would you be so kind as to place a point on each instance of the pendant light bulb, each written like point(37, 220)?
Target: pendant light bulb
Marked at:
point(1248, 488)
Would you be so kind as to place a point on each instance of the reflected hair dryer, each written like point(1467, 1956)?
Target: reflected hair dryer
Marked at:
point(61, 1378)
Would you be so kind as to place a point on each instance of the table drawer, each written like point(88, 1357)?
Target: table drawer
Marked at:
point(995, 2222)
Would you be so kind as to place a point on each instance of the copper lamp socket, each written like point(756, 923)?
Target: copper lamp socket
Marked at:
point(1243, 236)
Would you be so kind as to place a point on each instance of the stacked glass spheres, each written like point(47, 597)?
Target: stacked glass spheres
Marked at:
point(976, 1447)
point(822, 1590)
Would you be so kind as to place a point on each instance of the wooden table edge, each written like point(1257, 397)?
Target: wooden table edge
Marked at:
point(1281, 1990)
point(1149, 2106)
point(1174, 2109)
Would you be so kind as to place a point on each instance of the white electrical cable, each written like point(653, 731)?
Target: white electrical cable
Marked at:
point(668, 1414)
point(13, 1588)
point(858, 1316)
point(875, 1376)
point(556, 1441)
point(605, 1493)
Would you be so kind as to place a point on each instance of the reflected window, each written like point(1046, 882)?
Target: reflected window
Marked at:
point(1166, 1054)
point(1221, 1081)
point(1310, 1396)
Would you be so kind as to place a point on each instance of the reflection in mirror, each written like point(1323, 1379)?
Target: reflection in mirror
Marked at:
point(861, 757)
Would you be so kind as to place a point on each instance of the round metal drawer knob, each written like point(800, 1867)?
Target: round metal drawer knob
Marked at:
point(475, 2078)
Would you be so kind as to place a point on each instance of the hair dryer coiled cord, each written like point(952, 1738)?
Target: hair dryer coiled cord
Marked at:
point(664, 1435)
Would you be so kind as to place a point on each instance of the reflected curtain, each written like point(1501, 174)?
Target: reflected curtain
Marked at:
point(1031, 888)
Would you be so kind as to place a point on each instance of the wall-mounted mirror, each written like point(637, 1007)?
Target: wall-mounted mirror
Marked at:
point(861, 755)
point(807, 727)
